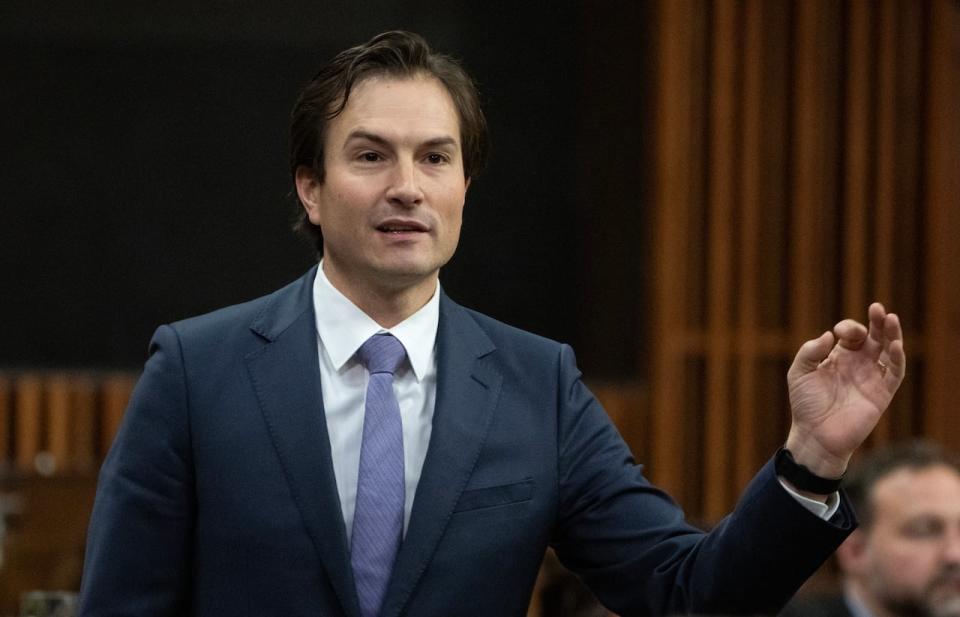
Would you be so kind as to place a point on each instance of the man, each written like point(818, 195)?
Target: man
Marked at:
point(904, 560)
point(356, 443)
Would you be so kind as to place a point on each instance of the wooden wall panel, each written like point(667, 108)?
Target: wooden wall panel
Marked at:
point(49, 473)
point(941, 202)
point(858, 170)
point(60, 423)
point(750, 171)
point(816, 155)
point(117, 389)
point(824, 178)
point(681, 52)
point(722, 204)
point(84, 457)
point(28, 400)
point(6, 422)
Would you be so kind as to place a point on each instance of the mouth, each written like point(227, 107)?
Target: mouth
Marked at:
point(396, 226)
point(949, 584)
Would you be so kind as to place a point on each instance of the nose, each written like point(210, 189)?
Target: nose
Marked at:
point(405, 189)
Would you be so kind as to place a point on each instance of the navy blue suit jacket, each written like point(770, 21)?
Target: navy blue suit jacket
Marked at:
point(218, 496)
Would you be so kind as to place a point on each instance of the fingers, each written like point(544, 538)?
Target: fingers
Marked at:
point(880, 341)
point(811, 354)
point(891, 327)
point(876, 315)
point(851, 333)
point(897, 360)
point(884, 328)
point(893, 346)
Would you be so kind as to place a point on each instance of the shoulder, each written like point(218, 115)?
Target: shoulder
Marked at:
point(224, 318)
point(527, 355)
point(269, 313)
point(241, 326)
point(501, 334)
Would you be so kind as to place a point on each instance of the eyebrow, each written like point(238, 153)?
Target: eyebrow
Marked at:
point(440, 141)
point(379, 139)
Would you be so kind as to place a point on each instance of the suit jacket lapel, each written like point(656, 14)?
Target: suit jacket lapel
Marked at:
point(285, 374)
point(468, 387)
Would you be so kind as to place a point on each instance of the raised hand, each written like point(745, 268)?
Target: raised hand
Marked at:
point(840, 384)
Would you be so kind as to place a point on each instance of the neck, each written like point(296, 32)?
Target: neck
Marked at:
point(387, 304)
point(858, 593)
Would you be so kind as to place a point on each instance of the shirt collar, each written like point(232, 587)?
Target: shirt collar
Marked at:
point(855, 603)
point(343, 327)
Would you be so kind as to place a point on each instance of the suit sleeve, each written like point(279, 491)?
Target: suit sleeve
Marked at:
point(139, 545)
point(631, 545)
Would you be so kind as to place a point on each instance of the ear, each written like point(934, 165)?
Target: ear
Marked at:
point(308, 190)
point(852, 554)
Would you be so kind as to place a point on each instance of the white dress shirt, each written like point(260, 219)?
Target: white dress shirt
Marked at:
point(342, 328)
point(823, 510)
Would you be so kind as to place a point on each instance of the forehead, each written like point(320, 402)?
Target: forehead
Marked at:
point(401, 107)
point(914, 492)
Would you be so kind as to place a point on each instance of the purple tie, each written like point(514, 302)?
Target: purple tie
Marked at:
point(378, 517)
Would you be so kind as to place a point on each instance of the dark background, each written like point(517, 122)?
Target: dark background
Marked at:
point(143, 173)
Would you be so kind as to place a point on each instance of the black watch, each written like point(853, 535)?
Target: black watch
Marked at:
point(801, 477)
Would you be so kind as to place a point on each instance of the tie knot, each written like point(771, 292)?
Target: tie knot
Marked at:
point(382, 353)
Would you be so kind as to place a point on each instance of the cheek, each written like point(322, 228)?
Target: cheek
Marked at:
point(453, 221)
point(910, 563)
point(339, 209)
point(452, 209)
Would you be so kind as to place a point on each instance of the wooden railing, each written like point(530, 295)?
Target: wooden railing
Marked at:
point(55, 429)
point(59, 423)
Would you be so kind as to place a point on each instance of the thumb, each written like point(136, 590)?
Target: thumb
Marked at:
point(811, 354)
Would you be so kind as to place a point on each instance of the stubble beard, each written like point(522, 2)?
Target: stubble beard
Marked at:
point(939, 598)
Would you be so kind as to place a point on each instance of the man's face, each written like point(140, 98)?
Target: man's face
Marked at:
point(391, 203)
point(910, 562)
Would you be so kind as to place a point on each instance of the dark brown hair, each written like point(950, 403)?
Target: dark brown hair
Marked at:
point(915, 455)
point(396, 54)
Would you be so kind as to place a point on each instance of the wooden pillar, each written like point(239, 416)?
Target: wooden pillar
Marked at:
point(942, 204)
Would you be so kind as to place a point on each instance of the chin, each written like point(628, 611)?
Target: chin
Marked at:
point(406, 275)
point(411, 268)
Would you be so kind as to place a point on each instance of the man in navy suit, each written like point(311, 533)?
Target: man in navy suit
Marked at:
point(239, 482)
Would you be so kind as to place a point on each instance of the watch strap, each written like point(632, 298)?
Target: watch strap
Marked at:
point(801, 477)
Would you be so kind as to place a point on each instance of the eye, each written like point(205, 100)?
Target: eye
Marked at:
point(370, 157)
point(436, 158)
point(923, 528)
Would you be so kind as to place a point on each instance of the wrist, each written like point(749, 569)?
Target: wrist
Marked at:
point(817, 460)
point(799, 478)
